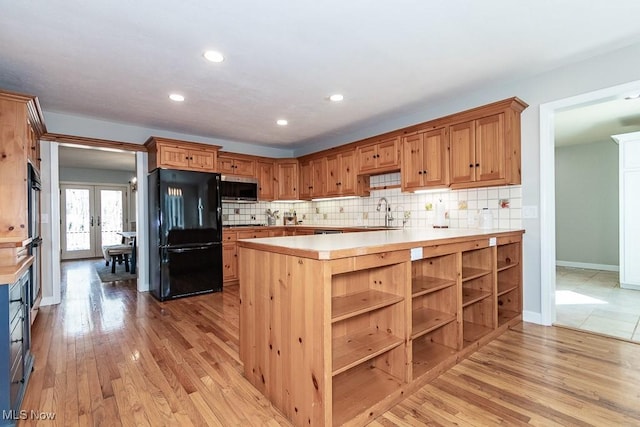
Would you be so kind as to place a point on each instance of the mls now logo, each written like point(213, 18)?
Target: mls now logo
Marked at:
point(27, 415)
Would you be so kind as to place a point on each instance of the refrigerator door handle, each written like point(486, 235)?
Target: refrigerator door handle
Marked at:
point(181, 250)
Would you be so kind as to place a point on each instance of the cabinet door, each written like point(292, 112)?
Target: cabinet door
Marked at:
point(490, 155)
point(319, 177)
point(462, 152)
point(387, 155)
point(265, 180)
point(348, 176)
point(306, 182)
point(333, 175)
point(172, 156)
point(287, 181)
point(412, 157)
point(226, 165)
point(244, 167)
point(202, 160)
point(367, 158)
point(435, 158)
point(229, 261)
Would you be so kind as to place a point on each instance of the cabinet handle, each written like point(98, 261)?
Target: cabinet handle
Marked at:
point(16, 300)
point(477, 165)
point(419, 172)
point(91, 222)
point(15, 341)
point(424, 172)
point(19, 381)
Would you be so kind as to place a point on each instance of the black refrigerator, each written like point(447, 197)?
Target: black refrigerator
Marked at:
point(185, 233)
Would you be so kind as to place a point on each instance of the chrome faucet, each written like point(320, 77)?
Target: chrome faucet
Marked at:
point(388, 215)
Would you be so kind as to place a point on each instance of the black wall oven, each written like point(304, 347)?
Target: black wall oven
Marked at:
point(34, 187)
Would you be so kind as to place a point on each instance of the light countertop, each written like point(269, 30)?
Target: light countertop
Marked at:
point(10, 274)
point(332, 246)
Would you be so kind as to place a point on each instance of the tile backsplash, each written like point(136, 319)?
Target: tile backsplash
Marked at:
point(418, 210)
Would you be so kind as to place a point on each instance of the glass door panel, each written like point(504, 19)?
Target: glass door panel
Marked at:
point(77, 222)
point(92, 217)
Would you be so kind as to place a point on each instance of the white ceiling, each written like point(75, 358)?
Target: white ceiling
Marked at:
point(119, 60)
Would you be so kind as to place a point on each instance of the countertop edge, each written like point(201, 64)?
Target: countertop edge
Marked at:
point(324, 254)
point(9, 274)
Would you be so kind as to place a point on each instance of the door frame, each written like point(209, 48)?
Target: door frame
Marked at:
point(548, 182)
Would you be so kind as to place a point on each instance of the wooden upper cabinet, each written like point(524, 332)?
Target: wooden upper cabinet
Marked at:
point(380, 156)
point(306, 181)
point(424, 160)
point(319, 177)
point(233, 164)
point(21, 126)
point(287, 179)
point(183, 155)
point(266, 179)
point(478, 152)
point(341, 176)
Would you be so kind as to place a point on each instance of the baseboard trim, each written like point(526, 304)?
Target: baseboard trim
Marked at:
point(48, 301)
point(532, 317)
point(630, 286)
point(587, 265)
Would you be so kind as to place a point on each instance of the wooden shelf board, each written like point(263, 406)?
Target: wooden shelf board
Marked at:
point(469, 273)
point(346, 306)
point(505, 287)
point(472, 332)
point(503, 265)
point(359, 390)
point(425, 320)
point(505, 315)
point(353, 349)
point(422, 285)
point(469, 296)
point(427, 354)
point(384, 187)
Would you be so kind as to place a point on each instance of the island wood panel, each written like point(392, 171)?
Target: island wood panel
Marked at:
point(284, 351)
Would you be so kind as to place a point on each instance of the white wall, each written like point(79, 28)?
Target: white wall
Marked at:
point(587, 204)
point(99, 176)
point(610, 69)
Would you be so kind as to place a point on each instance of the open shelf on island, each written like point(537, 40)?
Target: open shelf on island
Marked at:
point(469, 296)
point(503, 265)
point(504, 287)
point(353, 349)
point(428, 354)
point(469, 273)
point(346, 306)
point(424, 284)
point(505, 315)
point(472, 332)
point(357, 390)
point(425, 320)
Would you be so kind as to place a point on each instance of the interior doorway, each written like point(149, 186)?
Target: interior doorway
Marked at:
point(548, 192)
point(91, 217)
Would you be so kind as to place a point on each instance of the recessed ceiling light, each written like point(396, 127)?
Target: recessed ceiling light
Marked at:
point(176, 97)
point(282, 122)
point(213, 56)
point(336, 97)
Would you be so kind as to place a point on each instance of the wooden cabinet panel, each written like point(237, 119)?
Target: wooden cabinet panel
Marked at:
point(424, 160)
point(287, 180)
point(183, 155)
point(235, 165)
point(229, 261)
point(490, 149)
point(348, 178)
point(462, 152)
point(306, 180)
point(318, 177)
point(266, 180)
point(380, 156)
point(333, 175)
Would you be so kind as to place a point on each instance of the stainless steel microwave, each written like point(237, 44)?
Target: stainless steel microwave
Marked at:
point(239, 189)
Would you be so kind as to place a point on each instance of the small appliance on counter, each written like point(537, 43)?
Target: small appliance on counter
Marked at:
point(290, 219)
point(485, 219)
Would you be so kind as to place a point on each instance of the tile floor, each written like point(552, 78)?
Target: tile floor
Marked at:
point(593, 300)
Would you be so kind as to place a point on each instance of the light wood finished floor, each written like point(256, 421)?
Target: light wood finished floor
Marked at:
point(109, 356)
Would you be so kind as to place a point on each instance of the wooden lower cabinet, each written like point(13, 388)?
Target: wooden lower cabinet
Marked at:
point(229, 262)
point(338, 341)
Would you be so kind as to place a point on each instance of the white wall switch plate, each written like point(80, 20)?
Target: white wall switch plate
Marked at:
point(529, 212)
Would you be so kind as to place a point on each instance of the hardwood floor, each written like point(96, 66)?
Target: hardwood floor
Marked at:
point(110, 356)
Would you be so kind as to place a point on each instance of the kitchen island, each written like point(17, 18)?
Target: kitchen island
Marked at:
point(337, 328)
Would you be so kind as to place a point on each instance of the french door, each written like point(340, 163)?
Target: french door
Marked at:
point(92, 216)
